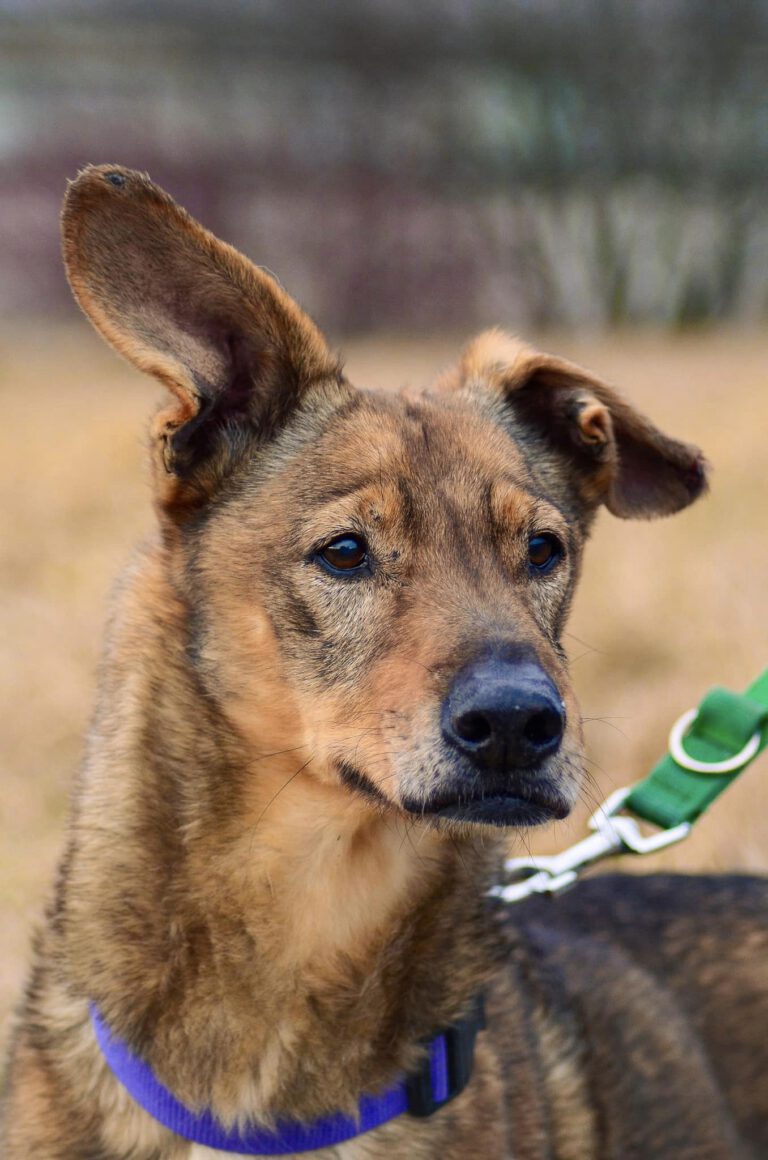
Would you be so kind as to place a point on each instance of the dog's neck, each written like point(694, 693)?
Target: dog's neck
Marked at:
point(271, 915)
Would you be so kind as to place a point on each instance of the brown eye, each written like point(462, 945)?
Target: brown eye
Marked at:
point(544, 551)
point(344, 554)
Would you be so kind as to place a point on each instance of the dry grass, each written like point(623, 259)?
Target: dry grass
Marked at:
point(665, 609)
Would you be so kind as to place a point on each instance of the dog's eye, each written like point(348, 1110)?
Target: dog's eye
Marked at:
point(346, 553)
point(544, 551)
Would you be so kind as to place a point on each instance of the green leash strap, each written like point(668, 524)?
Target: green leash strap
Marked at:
point(709, 748)
point(728, 729)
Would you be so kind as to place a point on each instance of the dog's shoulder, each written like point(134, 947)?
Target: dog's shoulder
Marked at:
point(690, 933)
point(647, 914)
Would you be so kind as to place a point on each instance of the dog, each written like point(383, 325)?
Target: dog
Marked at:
point(333, 684)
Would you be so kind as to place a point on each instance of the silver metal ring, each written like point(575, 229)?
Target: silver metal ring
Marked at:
point(730, 764)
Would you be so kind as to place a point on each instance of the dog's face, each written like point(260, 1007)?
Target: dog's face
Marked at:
point(382, 580)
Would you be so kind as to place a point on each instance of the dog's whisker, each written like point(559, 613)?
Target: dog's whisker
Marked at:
point(609, 721)
point(585, 643)
point(283, 787)
point(275, 753)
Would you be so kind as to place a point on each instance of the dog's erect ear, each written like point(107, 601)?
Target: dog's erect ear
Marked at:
point(620, 458)
point(235, 351)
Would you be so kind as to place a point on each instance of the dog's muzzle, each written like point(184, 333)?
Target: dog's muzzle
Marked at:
point(501, 721)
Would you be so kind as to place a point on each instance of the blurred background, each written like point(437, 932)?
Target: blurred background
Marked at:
point(413, 165)
point(591, 173)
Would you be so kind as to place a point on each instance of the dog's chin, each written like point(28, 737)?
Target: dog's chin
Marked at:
point(540, 804)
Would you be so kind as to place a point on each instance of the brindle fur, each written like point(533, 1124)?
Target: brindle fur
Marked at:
point(253, 891)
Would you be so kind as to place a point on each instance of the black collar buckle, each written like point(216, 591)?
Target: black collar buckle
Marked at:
point(460, 1057)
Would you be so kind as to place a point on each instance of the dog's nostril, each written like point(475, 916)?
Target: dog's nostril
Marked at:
point(473, 727)
point(543, 727)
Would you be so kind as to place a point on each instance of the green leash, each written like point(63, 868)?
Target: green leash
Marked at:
point(726, 732)
point(708, 748)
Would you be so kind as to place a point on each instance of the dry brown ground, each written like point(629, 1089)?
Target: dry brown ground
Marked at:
point(665, 610)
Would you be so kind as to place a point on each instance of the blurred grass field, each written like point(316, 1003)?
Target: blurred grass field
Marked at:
point(665, 609)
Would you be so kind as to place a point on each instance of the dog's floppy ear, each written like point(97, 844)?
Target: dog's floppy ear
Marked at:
point(235, 351)
point(620, 458)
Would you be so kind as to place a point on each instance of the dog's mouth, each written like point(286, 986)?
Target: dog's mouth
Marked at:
point(535, 804)
point(539, 803)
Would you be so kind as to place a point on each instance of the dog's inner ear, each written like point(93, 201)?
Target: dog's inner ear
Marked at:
point(617, 456)
point(234, 349)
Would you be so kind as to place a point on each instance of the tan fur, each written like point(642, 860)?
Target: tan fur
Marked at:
point(259, 892)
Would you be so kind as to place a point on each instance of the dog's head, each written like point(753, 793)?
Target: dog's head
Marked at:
point(378, 581)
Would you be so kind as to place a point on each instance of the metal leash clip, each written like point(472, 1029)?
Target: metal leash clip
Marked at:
point(613, 833)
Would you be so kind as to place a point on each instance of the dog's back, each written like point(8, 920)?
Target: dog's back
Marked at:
point(642, 1003)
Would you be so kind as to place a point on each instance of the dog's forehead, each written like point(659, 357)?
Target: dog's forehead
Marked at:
point(427, 440)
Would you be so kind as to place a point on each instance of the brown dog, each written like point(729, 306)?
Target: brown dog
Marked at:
point(331, 681)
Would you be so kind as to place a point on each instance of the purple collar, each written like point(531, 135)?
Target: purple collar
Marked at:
point(442, 1076)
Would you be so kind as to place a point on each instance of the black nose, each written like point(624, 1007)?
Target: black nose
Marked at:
point(503, 714)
